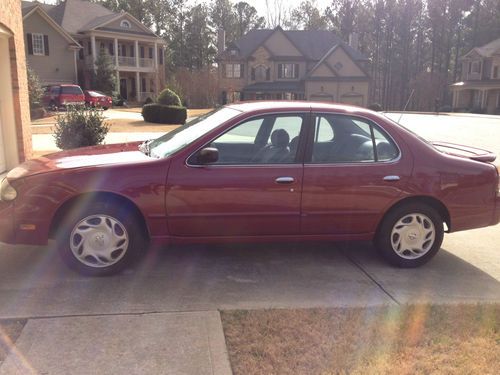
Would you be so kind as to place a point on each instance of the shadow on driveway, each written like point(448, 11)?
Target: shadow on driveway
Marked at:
point(34, 282)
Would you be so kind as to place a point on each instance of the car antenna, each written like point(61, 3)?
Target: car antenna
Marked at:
point(406, 105)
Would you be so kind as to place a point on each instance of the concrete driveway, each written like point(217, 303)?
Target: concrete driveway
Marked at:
point(34, 282)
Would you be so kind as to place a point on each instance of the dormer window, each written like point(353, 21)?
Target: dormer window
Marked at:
point(125, 24)
point(233, 52)
point(476, 67)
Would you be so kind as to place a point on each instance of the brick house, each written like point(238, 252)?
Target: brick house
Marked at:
point(479, 88)
point(15, 135)
point(292, 65)
point(63, 42)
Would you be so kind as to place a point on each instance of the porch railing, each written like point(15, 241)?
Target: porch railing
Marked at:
point(126, 61)
point(145, 63)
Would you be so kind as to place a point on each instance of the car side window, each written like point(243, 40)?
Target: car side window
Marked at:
point(355, 140)
point(271, 139)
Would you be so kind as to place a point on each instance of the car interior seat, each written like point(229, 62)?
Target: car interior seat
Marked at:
point(277, 151)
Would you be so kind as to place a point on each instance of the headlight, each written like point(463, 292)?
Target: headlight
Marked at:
point(7, 192)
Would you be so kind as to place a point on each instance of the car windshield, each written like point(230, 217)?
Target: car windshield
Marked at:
point(186, 134)
point(71, 90)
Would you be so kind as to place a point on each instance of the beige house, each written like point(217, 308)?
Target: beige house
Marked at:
point(15, 136)
point(479, 88)
point(63, 42)
point(292, 65)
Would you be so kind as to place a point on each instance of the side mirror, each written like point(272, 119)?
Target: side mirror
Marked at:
point(208, 155)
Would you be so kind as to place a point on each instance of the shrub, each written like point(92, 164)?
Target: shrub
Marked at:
point(445, 108)
point(37, 113)
point(164, 114)
point(35, 89)
point(478, 110)
point(148, 100)
point(168, 97)
point(375, 107)
point(80, 127)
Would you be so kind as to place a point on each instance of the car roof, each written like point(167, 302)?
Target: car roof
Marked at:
point(262, 105)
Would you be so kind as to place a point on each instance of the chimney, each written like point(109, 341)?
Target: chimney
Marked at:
point(221, 40)
point(354, 40)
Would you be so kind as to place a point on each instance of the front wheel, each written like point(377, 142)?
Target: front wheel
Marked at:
point(100, 241)
point(410, 235)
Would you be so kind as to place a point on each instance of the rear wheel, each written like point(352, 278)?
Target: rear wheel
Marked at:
point(101, 240)
point(410, 235)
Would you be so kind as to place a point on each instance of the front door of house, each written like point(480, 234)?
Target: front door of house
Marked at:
point(123, 88)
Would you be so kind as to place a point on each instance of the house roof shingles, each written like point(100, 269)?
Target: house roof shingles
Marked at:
point(490, 49)
point(76, 16)
point(313, 44)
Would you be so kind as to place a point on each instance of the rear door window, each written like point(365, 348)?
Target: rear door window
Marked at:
point(348, 139)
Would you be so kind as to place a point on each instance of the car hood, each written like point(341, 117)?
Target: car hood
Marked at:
point(123, 153)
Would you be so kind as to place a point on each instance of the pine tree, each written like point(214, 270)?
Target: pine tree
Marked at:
point(105, 76)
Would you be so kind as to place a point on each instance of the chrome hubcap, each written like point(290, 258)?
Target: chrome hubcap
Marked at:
point(99, 241)
point(413, 236)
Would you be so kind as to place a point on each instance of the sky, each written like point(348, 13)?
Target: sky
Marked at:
point(260, 5)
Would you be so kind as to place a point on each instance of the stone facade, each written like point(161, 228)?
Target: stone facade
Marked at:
point(16, 135)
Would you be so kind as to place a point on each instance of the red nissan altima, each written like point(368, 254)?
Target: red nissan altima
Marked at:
point(261, 171)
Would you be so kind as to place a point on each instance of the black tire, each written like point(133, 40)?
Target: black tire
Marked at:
point(53, 107)
point(408, 253)
point(112, 217)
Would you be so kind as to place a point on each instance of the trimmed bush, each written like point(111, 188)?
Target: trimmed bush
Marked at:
point(168, 97)
point(164, 114)
point(445, 108)
point(375, 107)
point(149, 100)
point(80, 127)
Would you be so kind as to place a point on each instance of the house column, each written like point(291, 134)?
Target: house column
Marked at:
point(155, 56)
point(115, 42)
point(137, 86)
point(136, 48)
point(75, 52)
point(484, 99)
point(157, 73)
point(92, 45)
point(117, 81)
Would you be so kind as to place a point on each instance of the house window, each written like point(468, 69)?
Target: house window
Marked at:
point(125, 24)
point(261, 73)
point(495, 72)
point(150, 53)
point(132, 51)
point(38, 44)
point(233, 71)
point(160, 54)
point(288, 71)
point(476, 67)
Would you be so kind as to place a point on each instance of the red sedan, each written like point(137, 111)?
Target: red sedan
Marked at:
point(97, 99)
point(263, 171)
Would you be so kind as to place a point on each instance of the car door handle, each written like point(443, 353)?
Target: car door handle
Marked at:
point(391, 178)
point(285, 180)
